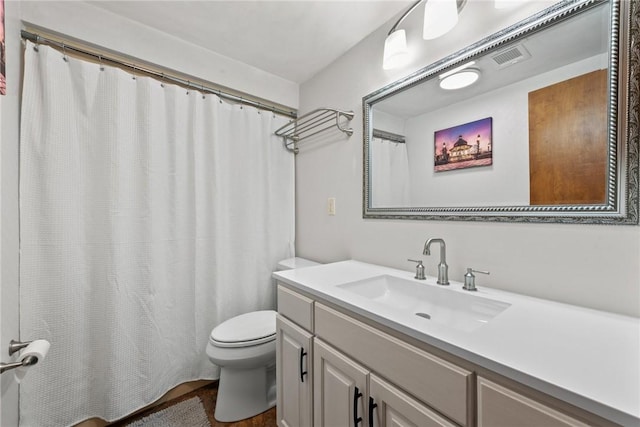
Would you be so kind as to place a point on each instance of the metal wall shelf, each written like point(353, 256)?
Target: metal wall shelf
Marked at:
point(313, 123)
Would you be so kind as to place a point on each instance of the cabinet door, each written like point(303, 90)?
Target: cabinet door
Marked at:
point(294, 377)
point(499, 406)
point(340, 389)
point(391, 407)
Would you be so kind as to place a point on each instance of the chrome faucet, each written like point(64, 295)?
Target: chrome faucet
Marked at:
point(443, 268)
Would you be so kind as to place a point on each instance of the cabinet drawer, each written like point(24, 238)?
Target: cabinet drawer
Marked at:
point(395, 408)
point(295, 307)
point(442, 385)
point(500, 406)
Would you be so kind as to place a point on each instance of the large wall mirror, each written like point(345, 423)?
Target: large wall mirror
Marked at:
point(543, 135)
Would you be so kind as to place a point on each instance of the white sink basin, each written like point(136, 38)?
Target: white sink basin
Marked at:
point(428, 302)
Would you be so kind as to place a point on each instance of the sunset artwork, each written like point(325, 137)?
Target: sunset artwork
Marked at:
point(464, 146)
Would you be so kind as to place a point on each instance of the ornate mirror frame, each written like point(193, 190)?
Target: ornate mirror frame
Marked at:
point(621, 206)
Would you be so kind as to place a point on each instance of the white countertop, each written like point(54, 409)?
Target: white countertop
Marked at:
point(585, 357)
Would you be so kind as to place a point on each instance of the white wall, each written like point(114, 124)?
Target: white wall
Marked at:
point(589, 265)
point(389, 123)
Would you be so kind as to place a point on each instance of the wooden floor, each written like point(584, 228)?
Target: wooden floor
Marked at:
point(208, 396)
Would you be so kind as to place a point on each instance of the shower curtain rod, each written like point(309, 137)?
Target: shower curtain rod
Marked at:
point(38, 39)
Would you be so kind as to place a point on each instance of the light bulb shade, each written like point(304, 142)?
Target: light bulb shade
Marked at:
point(460, 79)
point(396, 52)
point(440, 16)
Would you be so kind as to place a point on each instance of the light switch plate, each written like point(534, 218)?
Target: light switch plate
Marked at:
point(331, 205)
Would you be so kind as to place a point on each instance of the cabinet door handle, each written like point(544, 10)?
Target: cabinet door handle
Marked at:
point(356, 395)
point(372, 406)
point(302, 373)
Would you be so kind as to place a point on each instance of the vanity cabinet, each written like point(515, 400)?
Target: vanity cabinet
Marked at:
point(294, 359)
point(337, 368)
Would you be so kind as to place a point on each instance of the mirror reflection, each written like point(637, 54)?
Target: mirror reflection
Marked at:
point(529, 127)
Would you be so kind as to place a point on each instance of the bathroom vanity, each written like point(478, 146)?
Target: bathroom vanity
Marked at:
point(360, 344)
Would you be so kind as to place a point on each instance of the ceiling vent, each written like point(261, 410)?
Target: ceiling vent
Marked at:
point(511, 55)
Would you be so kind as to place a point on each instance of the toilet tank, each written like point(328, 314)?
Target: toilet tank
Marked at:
point(293, 263)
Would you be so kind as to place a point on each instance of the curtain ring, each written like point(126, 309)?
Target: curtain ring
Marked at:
point(203, 92)
point(64, 53)
point(101, 64)
point(133, 76)
point(36, 46)
point(162, 80)
point(188, 86)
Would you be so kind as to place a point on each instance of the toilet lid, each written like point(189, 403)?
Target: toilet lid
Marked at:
point(246, 329)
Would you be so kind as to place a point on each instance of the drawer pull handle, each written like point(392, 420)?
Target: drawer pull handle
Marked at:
point(372, 406)
point(302, 373)
point(356, 395)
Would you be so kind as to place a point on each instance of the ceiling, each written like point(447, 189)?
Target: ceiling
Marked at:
point(292, 39)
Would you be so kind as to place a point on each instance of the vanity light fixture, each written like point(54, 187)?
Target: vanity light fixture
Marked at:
point(459, 77)
point(396, 53)
point(440, 16)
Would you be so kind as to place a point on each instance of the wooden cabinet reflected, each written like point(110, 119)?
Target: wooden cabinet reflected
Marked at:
point(568, 141)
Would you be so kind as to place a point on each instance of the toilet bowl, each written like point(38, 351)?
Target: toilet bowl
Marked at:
point(244, 347)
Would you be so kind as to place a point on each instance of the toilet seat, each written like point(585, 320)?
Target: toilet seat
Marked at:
point(245, 330)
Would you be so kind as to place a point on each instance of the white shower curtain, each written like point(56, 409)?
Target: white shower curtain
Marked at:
point(390, 182)
point(149, 215)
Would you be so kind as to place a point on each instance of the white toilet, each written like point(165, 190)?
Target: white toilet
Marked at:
point(244, 347)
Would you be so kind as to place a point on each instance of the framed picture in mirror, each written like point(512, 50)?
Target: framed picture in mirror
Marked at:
point(464, 146)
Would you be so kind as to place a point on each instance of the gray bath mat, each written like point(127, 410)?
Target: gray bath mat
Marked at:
point(188, 413)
